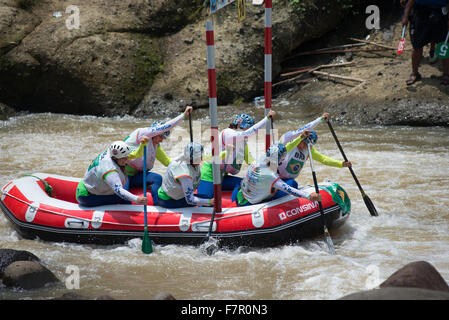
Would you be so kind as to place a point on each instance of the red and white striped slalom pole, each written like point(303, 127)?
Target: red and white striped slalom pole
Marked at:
point(267, 68)
point(213, 115)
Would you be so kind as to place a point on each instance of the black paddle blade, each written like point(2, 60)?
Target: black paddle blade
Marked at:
point(209, 247)
point(328, 240)
point(369, 204)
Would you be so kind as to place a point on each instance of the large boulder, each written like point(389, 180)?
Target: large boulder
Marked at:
point(239, 53)
point(419, 274)
point(164, 296)
point(415, 281)
point(27, 275)
point(75, 296)
point(143, 56)
point(6, 112)
point(8, 256)
point(104, 67)
point(392, 293)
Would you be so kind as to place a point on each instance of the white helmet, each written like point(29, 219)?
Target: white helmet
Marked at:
point(193, 152)
point(119, 149)
point(276, 154)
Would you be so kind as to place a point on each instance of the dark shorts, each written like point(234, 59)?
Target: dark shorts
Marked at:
point(429, 25)
point(206, 188)
point(93, 200)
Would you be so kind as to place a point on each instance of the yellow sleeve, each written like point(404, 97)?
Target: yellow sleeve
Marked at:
point(325, 160)
point(162, 157)
point(136, 153)
point(208, 157)
point(293, 144)
point(248, 157)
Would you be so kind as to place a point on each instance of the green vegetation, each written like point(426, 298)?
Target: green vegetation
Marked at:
point(299, 7)
point(26, 4)
point(149, 64)
point(238, 101)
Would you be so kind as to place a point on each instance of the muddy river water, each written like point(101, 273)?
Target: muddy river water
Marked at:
point(404, 170)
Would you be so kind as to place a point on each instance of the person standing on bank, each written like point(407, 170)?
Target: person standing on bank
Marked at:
point(153, 135)
point(430, 24)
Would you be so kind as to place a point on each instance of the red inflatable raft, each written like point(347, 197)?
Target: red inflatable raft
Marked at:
point(55, 215)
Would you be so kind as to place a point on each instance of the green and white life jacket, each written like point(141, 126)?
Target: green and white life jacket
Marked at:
point(97, 172)
point(257, 184)
point(175, 170)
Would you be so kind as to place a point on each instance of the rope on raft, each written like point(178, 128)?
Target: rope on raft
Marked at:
point(127, 224)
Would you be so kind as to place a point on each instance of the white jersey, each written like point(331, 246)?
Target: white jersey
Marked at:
point(133, 140)
point(293, 163)
point(234, 160)
point(94, 178)
point(258, 182)
point(176, 170)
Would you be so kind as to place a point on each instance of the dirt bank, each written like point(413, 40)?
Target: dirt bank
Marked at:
point(383, 97)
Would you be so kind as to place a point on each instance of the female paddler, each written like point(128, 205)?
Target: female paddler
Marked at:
point(153, 135)
point(104, 180)
point(291, 166)
point(236, 136)
point(182, 178)
point(261, 182)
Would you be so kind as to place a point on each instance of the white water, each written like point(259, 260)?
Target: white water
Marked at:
point(403, 170)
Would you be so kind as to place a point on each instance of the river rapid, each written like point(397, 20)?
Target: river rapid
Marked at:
point(404, 170)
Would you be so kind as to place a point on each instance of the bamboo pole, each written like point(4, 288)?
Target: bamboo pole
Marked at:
point(319, 73)
point(373, 43)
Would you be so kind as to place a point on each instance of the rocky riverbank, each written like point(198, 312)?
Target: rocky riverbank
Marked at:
point(383, 97)
point(144, 57)
point(148, 57)
point(415, 281)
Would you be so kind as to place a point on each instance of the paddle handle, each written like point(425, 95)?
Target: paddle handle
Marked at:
point(403, 31)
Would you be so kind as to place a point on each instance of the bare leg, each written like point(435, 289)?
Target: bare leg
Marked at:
point(416, 59)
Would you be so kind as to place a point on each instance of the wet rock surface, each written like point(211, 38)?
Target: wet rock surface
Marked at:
point(142, 57)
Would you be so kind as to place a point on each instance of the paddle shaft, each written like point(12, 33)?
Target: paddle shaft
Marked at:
point(191, 137)
point(344, 157)
point(211, 225)
point(144, 176)
point(315, 183)
point(327, 237)
point(190, 127)
point(146, 242)
point(366, 199)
